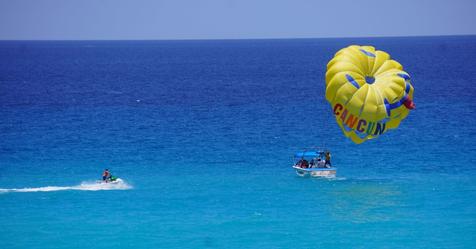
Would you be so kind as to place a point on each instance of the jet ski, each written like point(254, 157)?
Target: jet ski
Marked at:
point(111, 180)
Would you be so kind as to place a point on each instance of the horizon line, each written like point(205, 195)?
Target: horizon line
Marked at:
point(232, 39)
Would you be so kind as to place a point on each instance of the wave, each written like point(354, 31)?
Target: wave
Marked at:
point(337, 178)
point(84, 186)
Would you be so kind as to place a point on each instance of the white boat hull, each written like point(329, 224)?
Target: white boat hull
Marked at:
point(316, 172)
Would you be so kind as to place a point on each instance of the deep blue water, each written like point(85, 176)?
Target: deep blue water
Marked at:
point(204, 131)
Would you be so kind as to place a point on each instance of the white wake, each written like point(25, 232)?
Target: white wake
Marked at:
point(119, 184)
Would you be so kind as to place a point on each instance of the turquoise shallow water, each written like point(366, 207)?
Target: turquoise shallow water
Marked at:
point(203, 132)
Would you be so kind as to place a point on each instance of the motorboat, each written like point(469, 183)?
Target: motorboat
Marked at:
point(312, 163)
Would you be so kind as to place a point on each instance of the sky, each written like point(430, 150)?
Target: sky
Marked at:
point(231, 19)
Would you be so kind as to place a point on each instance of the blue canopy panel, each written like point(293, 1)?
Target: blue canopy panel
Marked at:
point(308, 154)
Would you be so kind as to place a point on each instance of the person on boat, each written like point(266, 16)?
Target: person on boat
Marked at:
point(328, 158)
point(312, 163)
point(321, 163)
point(106, 175)
point(303, 163)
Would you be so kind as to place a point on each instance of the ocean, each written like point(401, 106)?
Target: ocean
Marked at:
point(203, 133)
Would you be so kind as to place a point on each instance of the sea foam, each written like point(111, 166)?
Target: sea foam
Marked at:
point(84, 186)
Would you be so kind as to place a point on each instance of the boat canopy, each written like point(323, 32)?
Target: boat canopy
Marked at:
point(309, 154)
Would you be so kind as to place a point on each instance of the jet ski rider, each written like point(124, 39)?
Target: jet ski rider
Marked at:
point(106, 175)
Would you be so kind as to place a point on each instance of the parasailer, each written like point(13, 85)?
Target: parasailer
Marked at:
point(369, 92)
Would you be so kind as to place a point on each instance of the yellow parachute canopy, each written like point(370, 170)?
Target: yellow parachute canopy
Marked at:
point(369, 92)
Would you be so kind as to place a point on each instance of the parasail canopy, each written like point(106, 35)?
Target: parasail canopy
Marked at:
point(368, 91)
